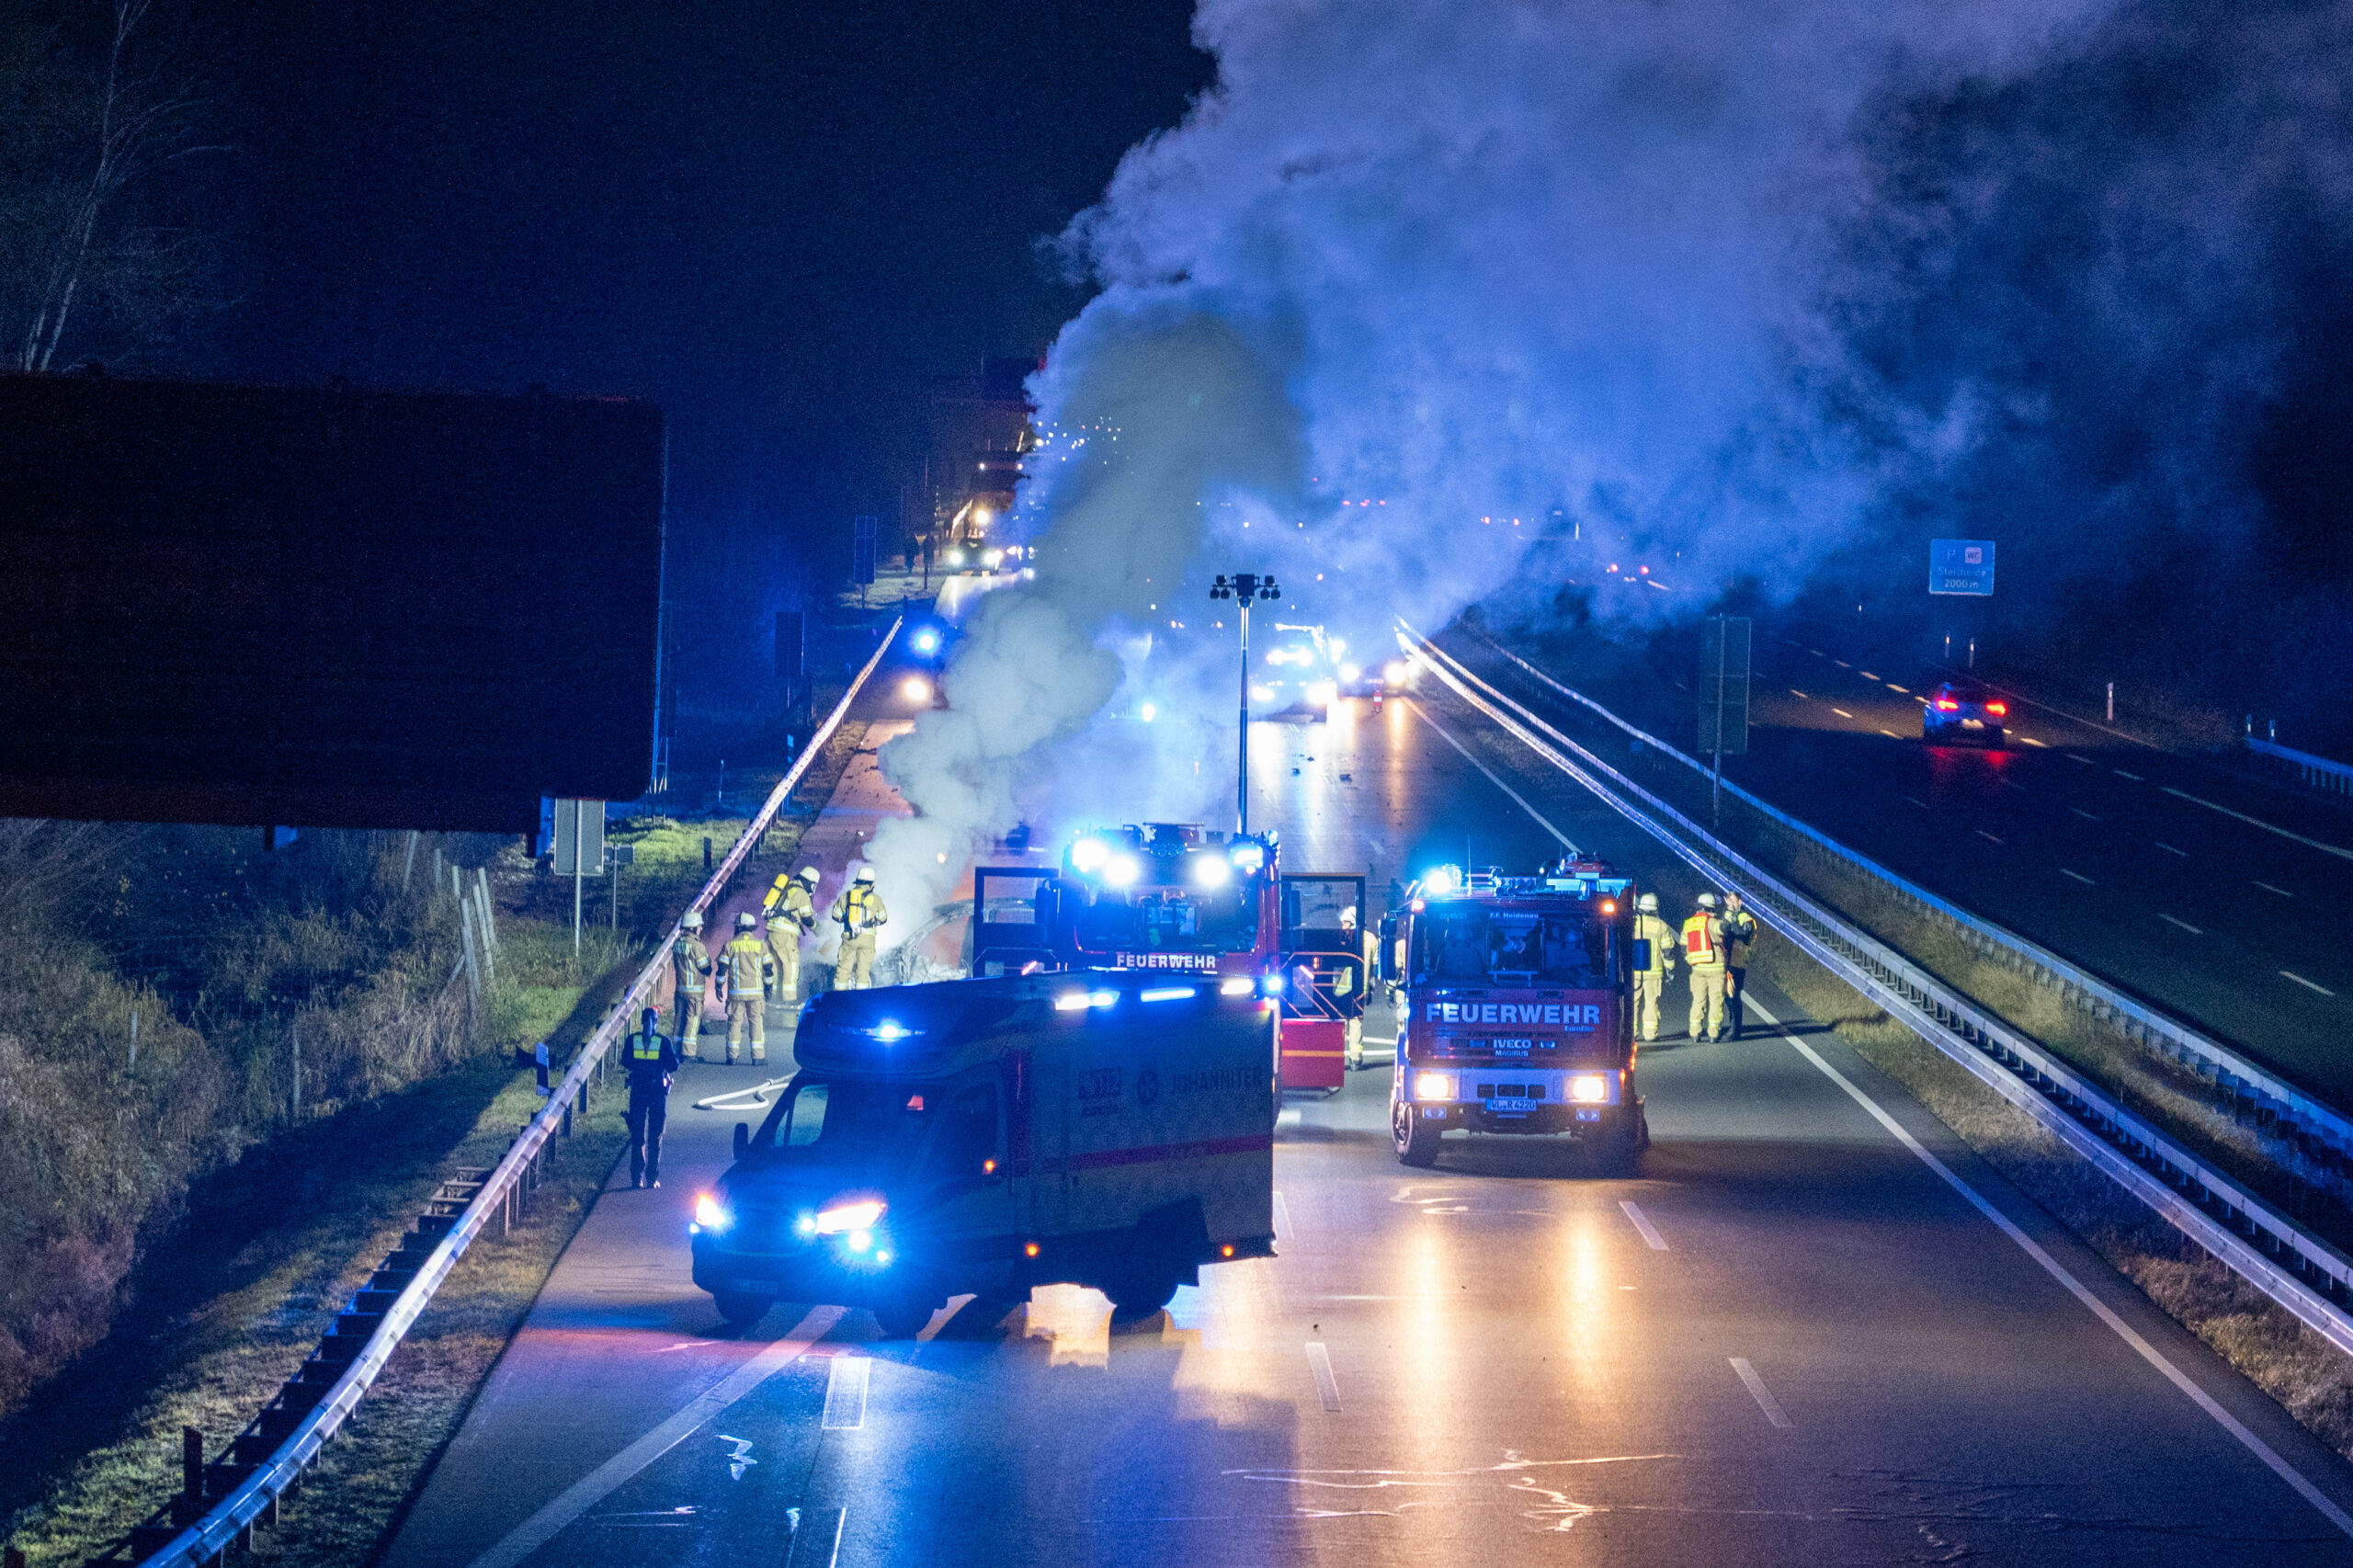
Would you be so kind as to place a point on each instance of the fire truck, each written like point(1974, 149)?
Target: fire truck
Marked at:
point(1515, 1000)
point(1183, 899)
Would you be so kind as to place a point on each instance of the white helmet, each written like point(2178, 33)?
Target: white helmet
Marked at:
point(865, 874)
point(693, 922)
point(747, 921)
point(806, 874)
point(1647, 904)
point(1707, 900)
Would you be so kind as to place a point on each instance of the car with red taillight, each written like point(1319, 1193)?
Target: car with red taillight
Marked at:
point(1957, 710)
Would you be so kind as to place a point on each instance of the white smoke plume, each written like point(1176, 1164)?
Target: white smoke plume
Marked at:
point(1428, 301)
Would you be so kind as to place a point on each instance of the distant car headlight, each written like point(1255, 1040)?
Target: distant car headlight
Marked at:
point(1121, 871)
point(1433, 1086)
point(1212, 871)
point(851, 1217)
point(1590, 1088)
point(710, 1214)
point(1262, 694)
point(1322, 694)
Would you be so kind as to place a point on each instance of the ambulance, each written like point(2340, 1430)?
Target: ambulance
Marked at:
point(1113, 1129)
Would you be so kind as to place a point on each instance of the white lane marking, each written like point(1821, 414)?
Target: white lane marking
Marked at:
point(2083, 813)
point(2032, 742)
point(2306, 983)
point(2267, 887)
point(599, 1483)
point(1282, 1219)
point(1795, 692)
point(2337, 849)
point(1983, 833)
point(1842, 664)
point(2170, 849)
point(2008, 784)
point(1842, 712)
point(1498, 783)
point(1643, 1223)
point(2078, 876)
point(1890, 734)
point(1763, 1395)
point(1922, 804)
point(846, 1393)
point(1867, 675)
point(823, 1548)
point(2087, 761)
point(1817, 652)
point(2183, 923)
point(2155, 1357)
point(2134, 777)
point(1319, 1361)
point(1291, 1116)
point(1905, 689)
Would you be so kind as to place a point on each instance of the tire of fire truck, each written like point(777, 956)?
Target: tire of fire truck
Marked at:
point(1620, 1154)
point(741, 1308)
point(1141, 1293)
point(1416, 1140)
point(904, 1316)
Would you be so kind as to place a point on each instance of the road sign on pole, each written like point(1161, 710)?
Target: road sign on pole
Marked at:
point(1722, 689)
point(1962, 566)
point(862, 555)
point(579, 849)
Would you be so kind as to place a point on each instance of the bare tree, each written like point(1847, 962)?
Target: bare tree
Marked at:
point(86, 235)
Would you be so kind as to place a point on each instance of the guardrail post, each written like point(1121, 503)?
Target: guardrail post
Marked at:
point(13, 1559)
point(191, 1473)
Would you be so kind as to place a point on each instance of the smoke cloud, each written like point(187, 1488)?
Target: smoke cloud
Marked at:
point(1436, 301)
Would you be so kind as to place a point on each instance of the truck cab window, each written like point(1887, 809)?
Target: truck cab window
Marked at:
point(806, 1115)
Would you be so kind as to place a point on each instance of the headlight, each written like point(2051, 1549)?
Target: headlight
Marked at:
point(1248, 857)
point(927, 640)
point(1351, 673)
point(849, 1217)
point(1394, 672)
point(711, 1214)
point(1212, 871)
point(916, 689)
point(1236, 985)
point(1122, 870)
point(1088, 854)
point(1322, 694)
point(1590, 1088)
point(1433, 1086)
point(1262, 694)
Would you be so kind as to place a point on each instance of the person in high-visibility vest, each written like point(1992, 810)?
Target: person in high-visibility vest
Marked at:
point(651, 1061)
point(749, 970)
point(1650, 984)
point(690, 966)
point(1704, 953)
point(860, 913)
point(792, 915)
point(1740, 935)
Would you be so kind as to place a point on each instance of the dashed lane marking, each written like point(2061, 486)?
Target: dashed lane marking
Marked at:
point(1905, 689)
point(2183, 923)
point(1842, 712)
point(2267, 887)
point(1795, 692)
point(2169, 848)
point(1914, 798)
point(2083, 813)
point(2071, 757)
point(1319, 1361)
point(1842, 664)
point(2337, 849)
point(846, 1393)
point(1867, 675)
point(1890, 734)
point(1642, 1223)
point(2032, 742)
point(1763, 1395)
point(1517, 799)
point(1989, 837)
point(2307, 984)
point(2078, 876)
point(2134, 777)
point(2106, 1315)
point(2013, 784)
point(1282, 1219)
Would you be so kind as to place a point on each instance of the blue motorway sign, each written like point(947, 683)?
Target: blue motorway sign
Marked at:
point(1960, 566)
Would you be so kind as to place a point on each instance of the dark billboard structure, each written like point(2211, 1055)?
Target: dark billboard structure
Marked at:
point(318, 606)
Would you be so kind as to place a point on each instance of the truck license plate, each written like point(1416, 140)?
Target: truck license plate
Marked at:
point(1510, 1104)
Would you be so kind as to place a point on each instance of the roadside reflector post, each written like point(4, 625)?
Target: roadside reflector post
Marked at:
point(191, 1473)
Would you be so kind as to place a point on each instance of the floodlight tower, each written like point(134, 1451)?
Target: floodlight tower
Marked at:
point(1244, 588)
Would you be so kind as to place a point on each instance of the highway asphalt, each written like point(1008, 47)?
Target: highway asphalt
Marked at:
point(2220, 899)
point(1792, 1339)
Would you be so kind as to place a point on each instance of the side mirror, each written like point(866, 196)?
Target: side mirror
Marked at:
point(743, 1139)
point(1641, 952)
point(1387, 965)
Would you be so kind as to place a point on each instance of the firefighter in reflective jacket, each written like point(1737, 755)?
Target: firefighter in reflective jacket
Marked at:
point(690, 966)
point(1650, 984)
point(650, 1060)
point(792, 914)
point(1740, 935)
point(1703, 950)
point(860, 913)
point(749, 970)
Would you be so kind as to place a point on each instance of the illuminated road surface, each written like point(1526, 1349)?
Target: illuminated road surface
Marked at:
point(1790, 1341)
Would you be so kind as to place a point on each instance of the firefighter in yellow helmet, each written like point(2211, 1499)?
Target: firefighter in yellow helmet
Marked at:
point(792, 915)
point(1740, 935)
point(1703, 952)
point(690, 967)
point(860, 913)
point(749, 970)
point(1650, 984)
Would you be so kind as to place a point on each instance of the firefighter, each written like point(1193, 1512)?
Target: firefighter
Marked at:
point(792, 915)
point(1740, 935)
point(860, 913)
point(1650, 984)
point(690, 965)
point(750, 973)
point(1703, 952)
point(651, 1061)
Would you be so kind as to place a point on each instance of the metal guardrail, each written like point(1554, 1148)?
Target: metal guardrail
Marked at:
point(254, 1498)
point(2300, 1271)
point(2272, 1097)
point(2314, 772)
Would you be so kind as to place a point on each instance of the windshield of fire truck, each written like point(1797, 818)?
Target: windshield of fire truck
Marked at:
point(1170, 918)
point(1508, 947)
